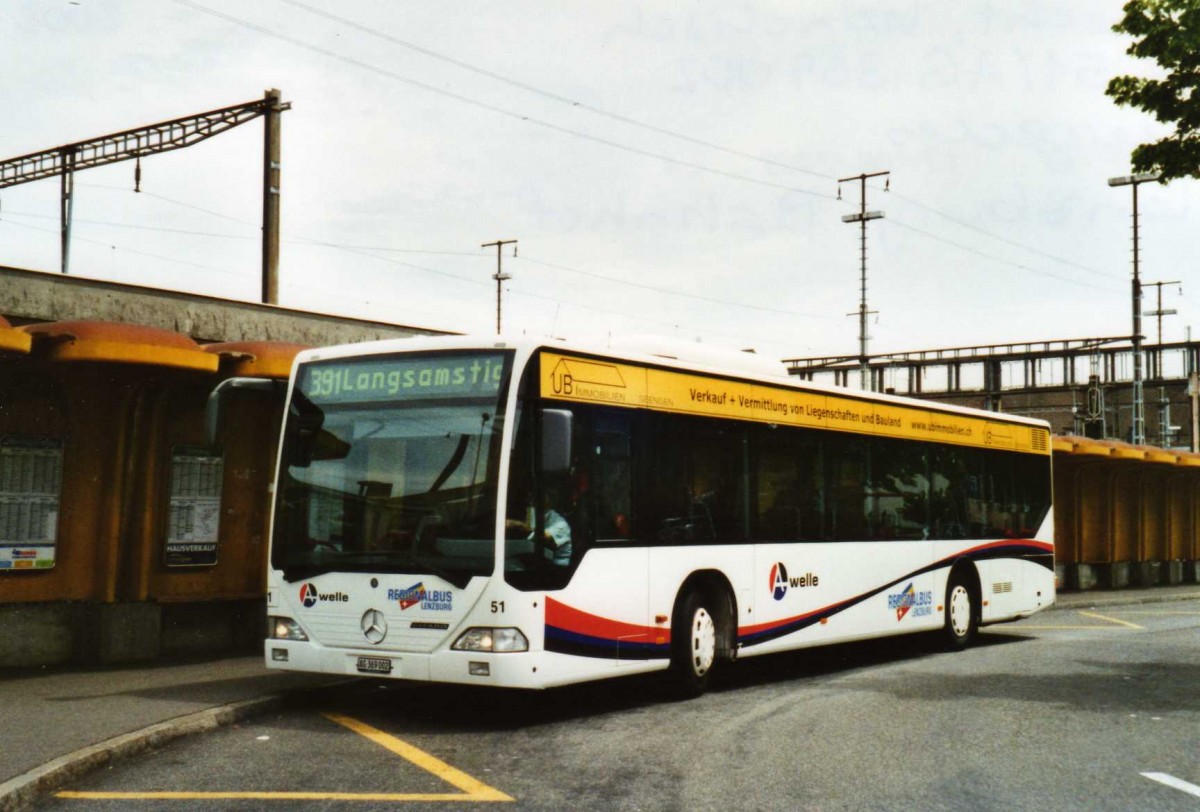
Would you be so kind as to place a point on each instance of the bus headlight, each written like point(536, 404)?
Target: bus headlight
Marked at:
point(489, 638)
point(284, 628)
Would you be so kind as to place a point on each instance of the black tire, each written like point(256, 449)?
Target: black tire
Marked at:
point(695, 645)
point(962, 612)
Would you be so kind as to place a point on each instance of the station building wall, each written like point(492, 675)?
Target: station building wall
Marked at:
point(122, 536)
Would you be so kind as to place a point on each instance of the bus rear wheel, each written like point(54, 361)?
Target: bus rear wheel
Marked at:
point(694, 645)
point(962, 612)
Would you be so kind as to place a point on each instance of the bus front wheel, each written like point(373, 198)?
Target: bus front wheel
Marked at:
point(962, 612)
point(694, 643)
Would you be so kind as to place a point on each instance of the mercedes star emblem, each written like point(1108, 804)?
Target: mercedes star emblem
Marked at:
point(374, 625)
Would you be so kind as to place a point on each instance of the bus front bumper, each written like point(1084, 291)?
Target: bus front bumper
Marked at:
point(505, 670)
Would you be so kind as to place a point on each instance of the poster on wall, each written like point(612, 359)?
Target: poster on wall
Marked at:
point(195, 509)
point(30, 485)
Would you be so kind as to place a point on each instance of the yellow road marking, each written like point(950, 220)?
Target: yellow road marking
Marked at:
point(1022, 627)
point(471, 789)
point(478, 790)
point(1156, 612)
point(269, 796)
point(1099, 616)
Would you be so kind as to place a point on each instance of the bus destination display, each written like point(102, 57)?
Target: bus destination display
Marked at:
point(407, 377)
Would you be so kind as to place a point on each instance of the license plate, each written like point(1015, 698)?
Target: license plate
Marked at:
point(374, 665)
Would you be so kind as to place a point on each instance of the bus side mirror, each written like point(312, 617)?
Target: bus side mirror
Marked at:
point(556, 441)
point(215, 409)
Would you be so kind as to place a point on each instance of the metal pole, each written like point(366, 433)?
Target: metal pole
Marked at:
point(1139, 403)
point(499, 276)
point(861, 218)
point(1194, 393)
point(271, 174)
point(1138, 432)
point(499, 279)
point(864, 367)
point(66, 205)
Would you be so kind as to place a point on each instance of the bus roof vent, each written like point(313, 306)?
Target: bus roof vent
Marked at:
point(744, 361)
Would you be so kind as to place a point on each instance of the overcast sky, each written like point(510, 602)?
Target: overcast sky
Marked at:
point(667, 167)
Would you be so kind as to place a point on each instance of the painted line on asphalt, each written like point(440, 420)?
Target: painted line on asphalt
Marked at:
point(471, 789)
point(1174, 783)
point(476, 789)
point(1024, 627)
point(269, 796)
point(1099, 616)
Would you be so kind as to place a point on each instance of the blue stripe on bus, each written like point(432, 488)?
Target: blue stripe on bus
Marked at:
point(1036, 552)
point(564, 641)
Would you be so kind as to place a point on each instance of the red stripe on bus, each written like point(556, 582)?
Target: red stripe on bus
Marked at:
point(570, 619)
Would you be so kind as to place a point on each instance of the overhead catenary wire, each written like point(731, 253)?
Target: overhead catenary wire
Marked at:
point(581, 105)
point(547, 94)
point(366, 250)
point(632, 316)
point(636, 150)
point(1017, 265)
point(267, 32)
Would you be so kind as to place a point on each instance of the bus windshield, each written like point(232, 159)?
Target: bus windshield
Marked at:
point(390, 464)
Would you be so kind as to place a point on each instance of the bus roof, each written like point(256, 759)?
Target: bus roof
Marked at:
point(654, 351)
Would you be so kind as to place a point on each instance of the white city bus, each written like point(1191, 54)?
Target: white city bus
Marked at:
point(712, 511)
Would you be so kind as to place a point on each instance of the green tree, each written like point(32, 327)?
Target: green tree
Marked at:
point(1167, 31)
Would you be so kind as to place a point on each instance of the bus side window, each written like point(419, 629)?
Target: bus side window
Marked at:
point(950, 495)
point(699, 480)
point(849, 504)
point(786, 484)
point(899, 490)
point(608, 500)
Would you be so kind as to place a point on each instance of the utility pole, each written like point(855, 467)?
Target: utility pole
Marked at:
point(1160, 312)
point(66, 204)
point(500, 276)
point(1138, 434)
point(273, 107)
point(1164, 404)
point(861, 218)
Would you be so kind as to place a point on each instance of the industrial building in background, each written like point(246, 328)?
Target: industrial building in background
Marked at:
point(1082, 386)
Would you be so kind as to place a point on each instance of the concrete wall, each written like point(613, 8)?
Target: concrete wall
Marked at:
point(35, 296)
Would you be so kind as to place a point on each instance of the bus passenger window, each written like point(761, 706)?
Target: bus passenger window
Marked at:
point(604, 479)
point(899, 490)
point(698, 481)
point(954, 506)
point(849, 503)
point(786, 485)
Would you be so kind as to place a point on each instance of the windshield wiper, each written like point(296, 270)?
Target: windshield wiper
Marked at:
point(299, 572)
point(369, 561)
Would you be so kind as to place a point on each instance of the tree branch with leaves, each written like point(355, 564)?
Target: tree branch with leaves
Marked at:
point(1167, 31)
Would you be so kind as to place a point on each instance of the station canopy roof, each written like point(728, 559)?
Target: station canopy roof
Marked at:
point(256, 359)
point(1080, 448)
point(13, 339)
point(115, 342)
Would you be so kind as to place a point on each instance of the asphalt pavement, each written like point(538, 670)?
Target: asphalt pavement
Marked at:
point(60, 723)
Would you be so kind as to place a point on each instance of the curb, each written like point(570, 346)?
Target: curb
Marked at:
point(1099, 600)
point(21, 792)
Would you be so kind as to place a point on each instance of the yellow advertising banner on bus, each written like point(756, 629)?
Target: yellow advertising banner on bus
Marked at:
point(589, 380)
